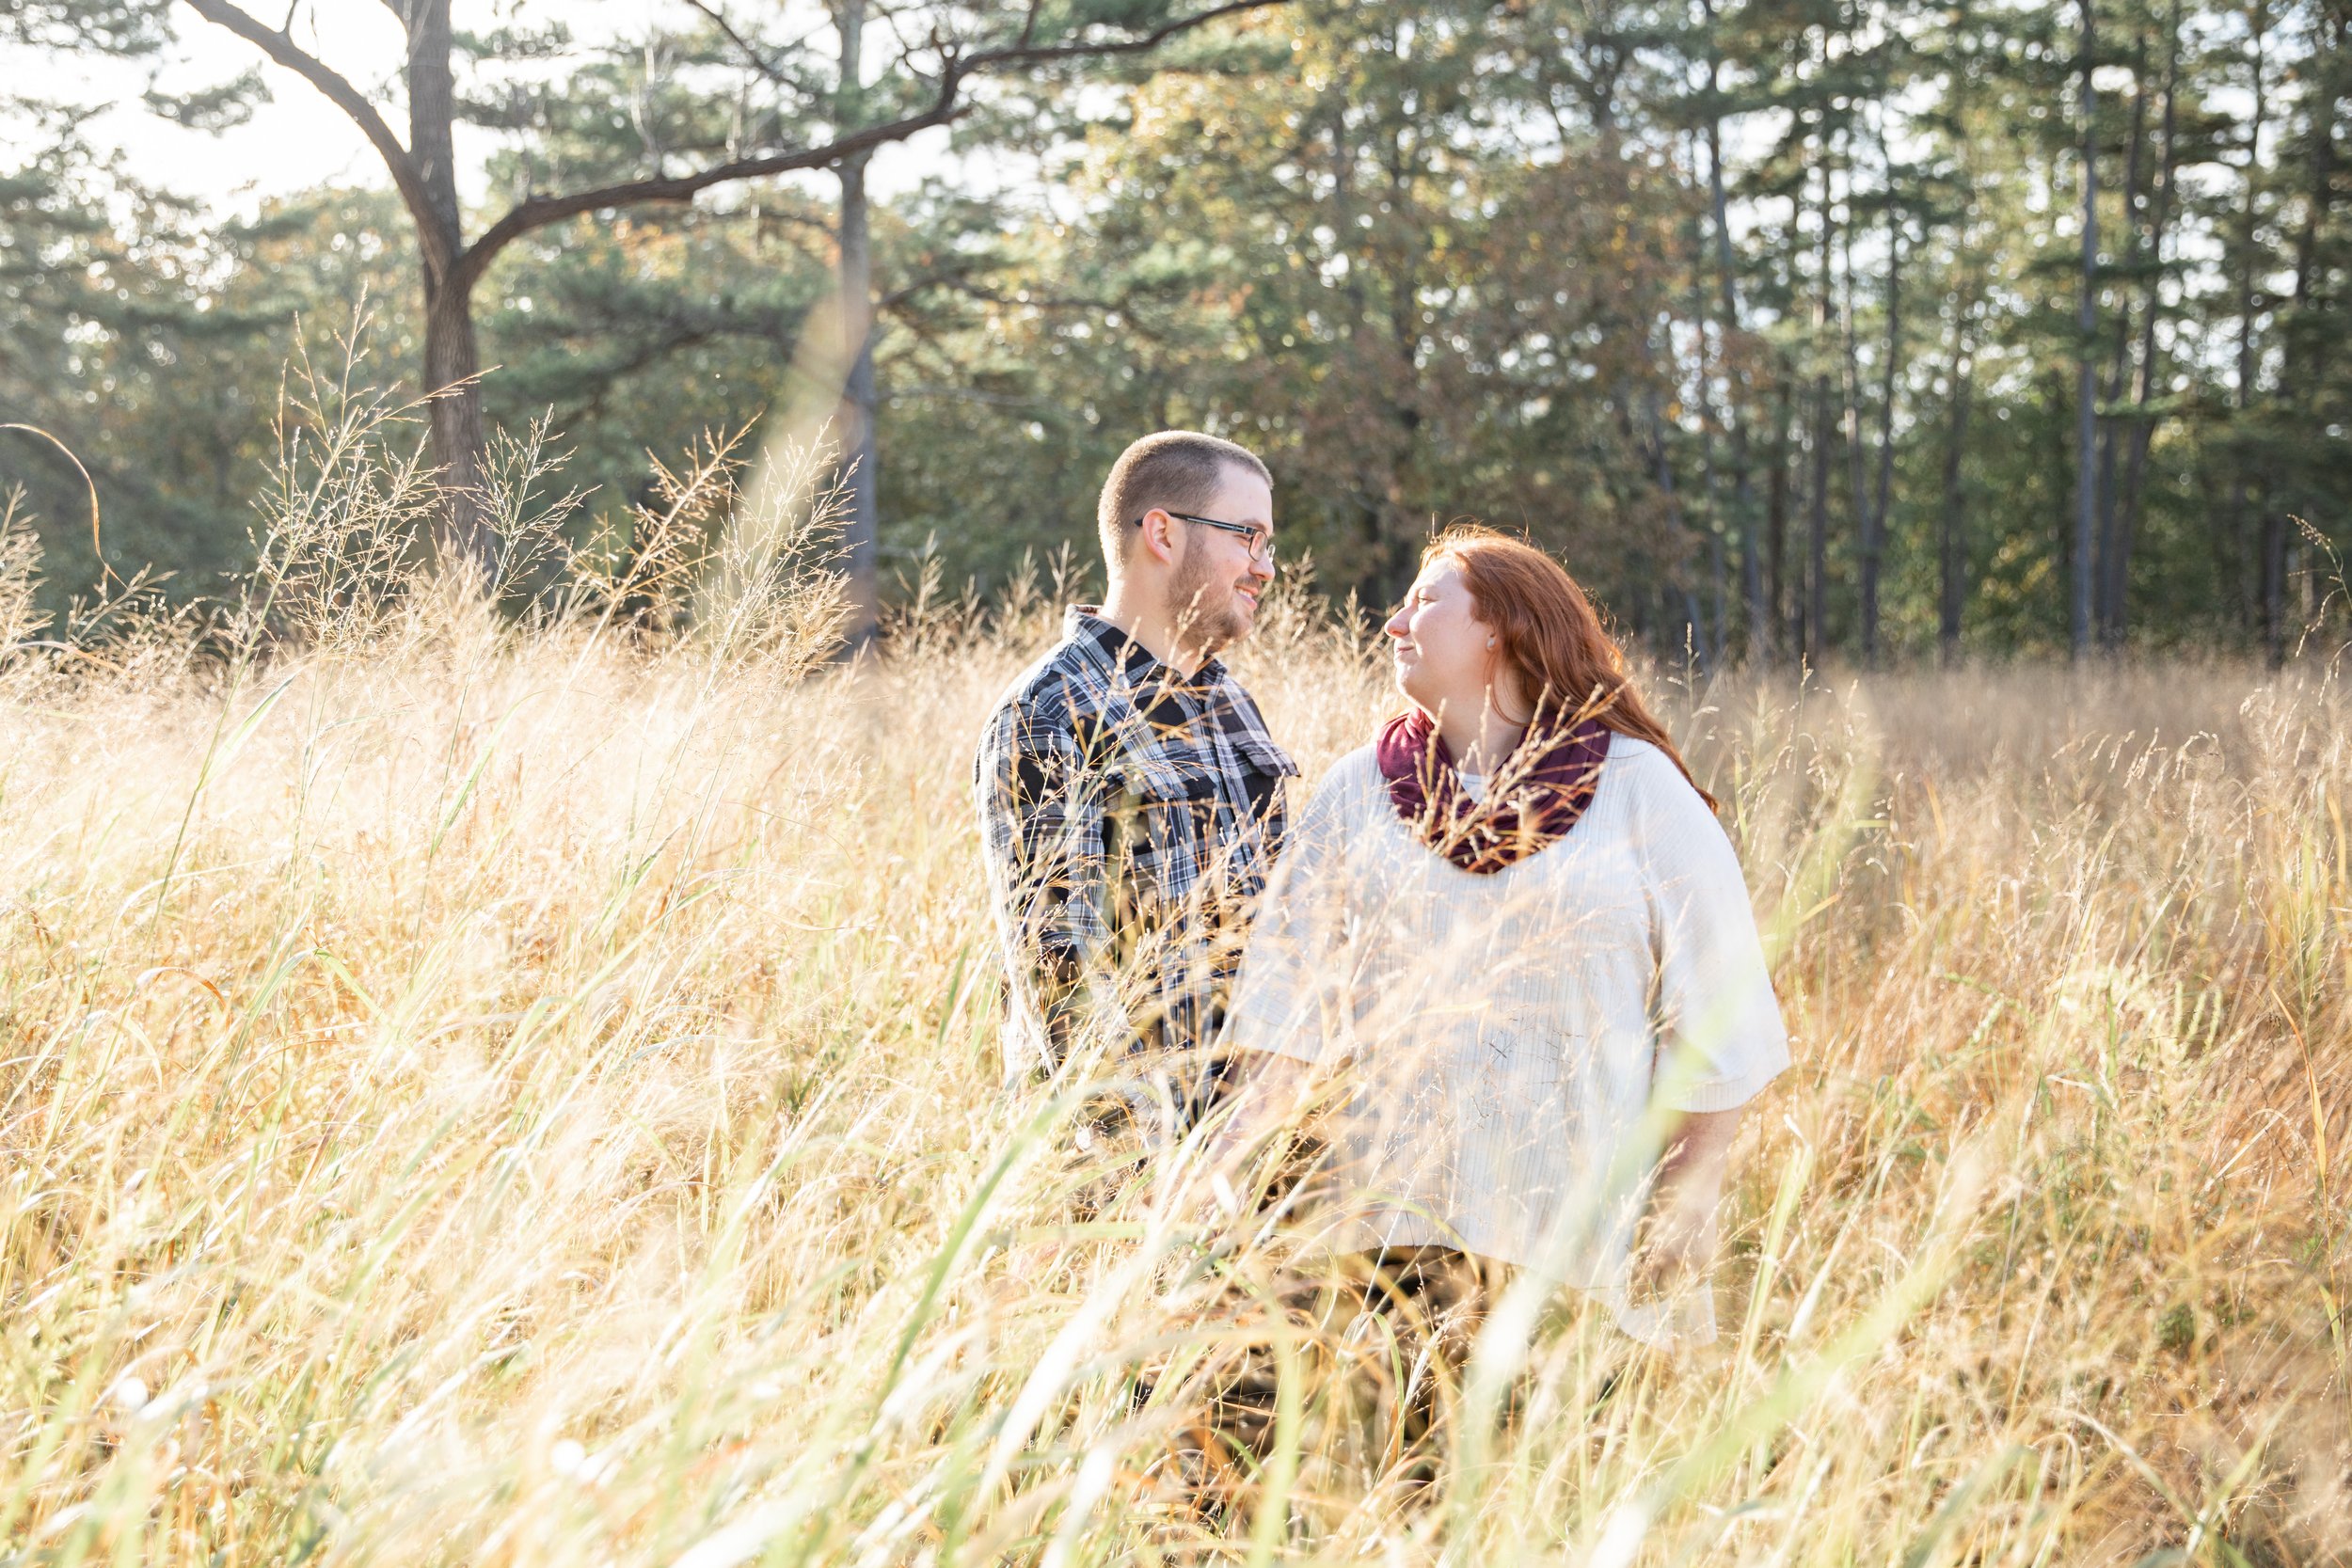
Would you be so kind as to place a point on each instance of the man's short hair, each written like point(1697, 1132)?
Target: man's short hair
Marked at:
point(1177, 471)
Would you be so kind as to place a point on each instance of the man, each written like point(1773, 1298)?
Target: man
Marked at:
point(1130, 797)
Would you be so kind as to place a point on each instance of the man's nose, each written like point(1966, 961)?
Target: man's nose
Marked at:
point(1261, 567)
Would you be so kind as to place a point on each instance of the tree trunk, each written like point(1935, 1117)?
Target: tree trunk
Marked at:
point(2146, 373)
point(1760, 612)
point(854, 424)
point(861, 530)
point(1869, 509)
point(1850, 427)
point(2085, 387)
point(1776, 605)
point(2303, 348)
point(1719, 608)
point(1704, 373)
point(1959, 385)
point(451, 359)
point(1695, 640)
point(2058, 394)
point(1874, 544)
point(2274, 576)
point(1811, 640)
point(1952, 597)
point(2105, 612)
point(2270, 535)
point(453, 363)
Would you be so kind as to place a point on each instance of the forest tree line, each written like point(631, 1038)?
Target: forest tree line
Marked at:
point(1799, 327)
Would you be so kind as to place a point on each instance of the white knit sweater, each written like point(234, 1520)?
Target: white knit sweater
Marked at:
point(1503, 1035)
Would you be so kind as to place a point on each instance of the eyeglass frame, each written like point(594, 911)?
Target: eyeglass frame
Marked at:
point(1261, 545)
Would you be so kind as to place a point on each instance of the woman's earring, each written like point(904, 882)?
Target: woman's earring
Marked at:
point(1491, 644)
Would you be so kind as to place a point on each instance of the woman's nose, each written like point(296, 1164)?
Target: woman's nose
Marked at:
point(1396, 626)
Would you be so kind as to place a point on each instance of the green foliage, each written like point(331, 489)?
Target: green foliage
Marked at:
point(1441, 259)
point(638, 336)
point(103, 347)
point(220, 107)
point(100, 26)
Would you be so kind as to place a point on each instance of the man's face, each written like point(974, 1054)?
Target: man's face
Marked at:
point(1215, 585)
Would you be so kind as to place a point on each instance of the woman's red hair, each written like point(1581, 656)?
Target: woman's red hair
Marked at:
point(1552, 636)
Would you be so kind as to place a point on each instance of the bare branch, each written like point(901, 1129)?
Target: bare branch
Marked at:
point(744, 46)
point(439, 248)
point(1039, 53)
point(538, 212)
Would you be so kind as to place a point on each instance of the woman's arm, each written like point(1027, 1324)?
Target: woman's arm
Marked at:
point(1686, 1194)
point(1293, 982)
point(1720, 1036)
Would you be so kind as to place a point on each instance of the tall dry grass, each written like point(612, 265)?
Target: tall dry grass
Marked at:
point(524, 1089)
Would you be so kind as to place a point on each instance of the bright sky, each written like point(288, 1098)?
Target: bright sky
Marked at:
point(298, 139)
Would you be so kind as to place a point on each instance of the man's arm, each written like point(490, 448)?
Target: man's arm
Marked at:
point(1044, 829)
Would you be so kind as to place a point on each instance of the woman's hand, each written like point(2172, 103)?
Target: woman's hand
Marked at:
point(1269, 1094)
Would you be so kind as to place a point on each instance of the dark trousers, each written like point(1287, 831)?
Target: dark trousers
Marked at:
point(1388, 1335)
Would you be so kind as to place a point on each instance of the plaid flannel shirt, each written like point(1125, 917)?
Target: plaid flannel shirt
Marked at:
point(1128, 817)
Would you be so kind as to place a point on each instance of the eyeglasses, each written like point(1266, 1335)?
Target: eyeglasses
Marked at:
point(1260, 540)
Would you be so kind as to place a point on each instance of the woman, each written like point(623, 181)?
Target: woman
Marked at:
point(1512, 951)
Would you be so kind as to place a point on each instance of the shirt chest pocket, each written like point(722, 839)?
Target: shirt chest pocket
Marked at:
point(1262, 756)
point(1159, 806)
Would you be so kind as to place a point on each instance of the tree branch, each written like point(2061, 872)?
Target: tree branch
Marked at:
point(538, 212)
point(744, 46)
point(1026, 53)
point(541, 211)
point(439, 248)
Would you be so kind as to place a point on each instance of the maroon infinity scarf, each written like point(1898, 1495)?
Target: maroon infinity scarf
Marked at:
point(1532, 801)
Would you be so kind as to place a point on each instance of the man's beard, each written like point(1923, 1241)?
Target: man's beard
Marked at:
point(1204, 612)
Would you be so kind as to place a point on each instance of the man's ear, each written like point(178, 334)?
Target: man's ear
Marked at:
point(1158, 541)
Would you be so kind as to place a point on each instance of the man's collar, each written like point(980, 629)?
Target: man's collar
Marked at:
point(1129, 656)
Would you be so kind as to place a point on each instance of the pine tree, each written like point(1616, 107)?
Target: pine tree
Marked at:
point(960, 46)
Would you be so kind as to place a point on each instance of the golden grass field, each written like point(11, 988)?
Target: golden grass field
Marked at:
point(496, 1091)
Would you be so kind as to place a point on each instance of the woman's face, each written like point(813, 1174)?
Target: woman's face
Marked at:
point(1443, 654)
